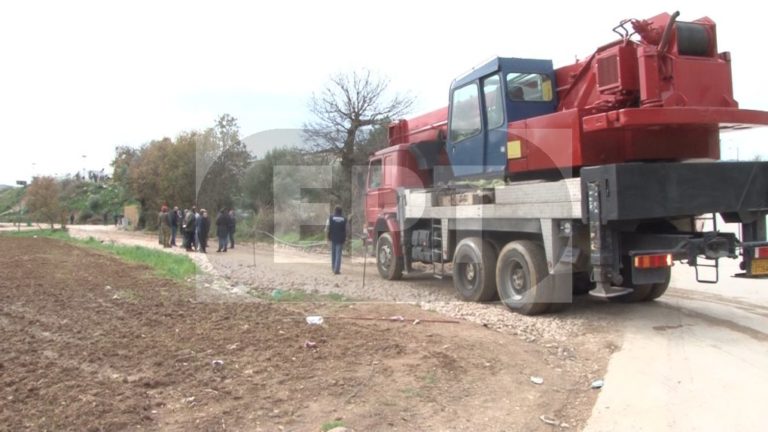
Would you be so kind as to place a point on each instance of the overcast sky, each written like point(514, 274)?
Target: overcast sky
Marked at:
point(80, 78)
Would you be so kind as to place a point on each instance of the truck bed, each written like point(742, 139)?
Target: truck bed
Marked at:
point(529, 200)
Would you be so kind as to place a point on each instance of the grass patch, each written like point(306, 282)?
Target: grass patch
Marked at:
point(336, 297)
point(411, 392)
point(331, 424)
point(127, 295)
point(298, 296)
point(290, 296)
point(47, 233)
point(173, 266)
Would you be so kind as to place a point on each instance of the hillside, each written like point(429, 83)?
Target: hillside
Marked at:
point(88, 201)
point(9, 200)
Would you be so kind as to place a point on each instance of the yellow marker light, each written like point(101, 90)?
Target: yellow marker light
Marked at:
point(514, 149)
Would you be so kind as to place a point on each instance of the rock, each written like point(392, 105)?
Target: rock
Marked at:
point(341, 429)
point(549, 420)
point(184, 356)
point(537, 380)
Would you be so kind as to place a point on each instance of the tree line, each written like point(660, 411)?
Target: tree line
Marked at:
point(213, 169)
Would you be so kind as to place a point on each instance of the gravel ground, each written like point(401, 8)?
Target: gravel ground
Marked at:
point(263, 269)
point(421, 289)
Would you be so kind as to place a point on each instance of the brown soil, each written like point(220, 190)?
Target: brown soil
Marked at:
point(91, 343)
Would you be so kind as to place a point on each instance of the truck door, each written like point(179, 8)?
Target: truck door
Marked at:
point(478, 130)
point(373, 201)
point(465, 137)
point(382, 195)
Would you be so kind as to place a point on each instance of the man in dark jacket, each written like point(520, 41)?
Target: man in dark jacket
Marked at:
point(174, 224)
point(231, 228)
point(204, 229)
point(337, 235)
point(222, 224)
point(189, 229)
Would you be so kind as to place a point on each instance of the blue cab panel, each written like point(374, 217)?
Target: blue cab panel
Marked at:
point(484, 101)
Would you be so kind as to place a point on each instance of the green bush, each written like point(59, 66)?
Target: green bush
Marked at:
point(94, 203)
point(84, 217)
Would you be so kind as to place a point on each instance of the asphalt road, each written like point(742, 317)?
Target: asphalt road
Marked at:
point(695, 360)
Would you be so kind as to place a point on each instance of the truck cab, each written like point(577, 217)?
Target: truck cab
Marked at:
point(483, 103)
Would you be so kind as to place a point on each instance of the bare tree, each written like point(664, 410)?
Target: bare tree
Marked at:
point(43, 200)
point(345, 112)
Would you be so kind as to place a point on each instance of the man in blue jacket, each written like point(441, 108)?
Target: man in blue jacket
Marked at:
point(337, 235)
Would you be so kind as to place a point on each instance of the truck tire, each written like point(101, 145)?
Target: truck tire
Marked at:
point(474, 267)
point(390, 266)
point(658, 289)
point(643, 292)
point(521, 278)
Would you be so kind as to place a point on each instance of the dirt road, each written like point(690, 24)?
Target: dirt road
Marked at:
point(92, 343)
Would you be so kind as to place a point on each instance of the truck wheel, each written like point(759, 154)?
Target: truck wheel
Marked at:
point(474, 265)
point(644, 292)
point(658, 289)
point(521, 278)
point(390, 266)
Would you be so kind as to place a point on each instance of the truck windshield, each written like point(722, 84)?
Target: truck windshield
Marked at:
point(529, 87)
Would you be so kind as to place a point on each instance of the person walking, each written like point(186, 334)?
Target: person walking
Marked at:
point(164, 222)
point(205, 229)
point(222, 224)
point(337, 235)
point(174, 224)
point(231, 228)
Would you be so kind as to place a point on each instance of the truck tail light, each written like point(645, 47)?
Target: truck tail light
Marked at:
point(653, 261)
point(761, 252)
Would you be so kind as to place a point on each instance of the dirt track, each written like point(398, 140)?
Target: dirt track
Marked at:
point(92, 343)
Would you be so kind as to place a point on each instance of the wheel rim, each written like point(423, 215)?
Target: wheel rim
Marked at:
point(470, 271)
point(469, 274)
point(516, 283)
point(385, 256)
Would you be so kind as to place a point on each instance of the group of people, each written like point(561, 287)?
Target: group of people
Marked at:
point(194, 226)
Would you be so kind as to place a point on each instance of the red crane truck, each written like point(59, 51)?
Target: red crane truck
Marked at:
point(603, 170)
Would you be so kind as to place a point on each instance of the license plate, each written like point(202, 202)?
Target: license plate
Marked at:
point(760, 266)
